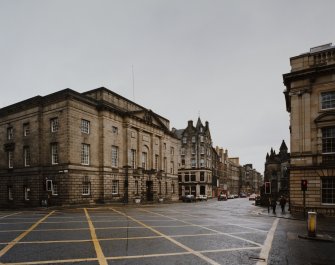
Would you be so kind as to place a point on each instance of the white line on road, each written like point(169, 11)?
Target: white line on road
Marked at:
point(268, 244)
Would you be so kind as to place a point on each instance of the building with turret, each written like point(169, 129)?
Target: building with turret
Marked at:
point(197, 171)
point(276, 171)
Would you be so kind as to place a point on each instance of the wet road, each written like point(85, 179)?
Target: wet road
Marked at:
point(213, 232)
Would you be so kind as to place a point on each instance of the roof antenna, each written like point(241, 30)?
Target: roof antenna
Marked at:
point(132, 70)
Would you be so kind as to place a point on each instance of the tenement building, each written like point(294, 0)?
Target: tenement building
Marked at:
point(310, 100)
point(196, 169)
point(97, 146)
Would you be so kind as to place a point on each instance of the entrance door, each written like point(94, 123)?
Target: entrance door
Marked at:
point(150, 192)
point(202, 190)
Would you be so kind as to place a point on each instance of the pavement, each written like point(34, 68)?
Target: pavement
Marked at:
point(293, 245)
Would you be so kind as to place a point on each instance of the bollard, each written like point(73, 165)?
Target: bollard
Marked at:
point(311, 224)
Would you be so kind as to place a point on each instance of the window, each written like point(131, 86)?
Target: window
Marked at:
point(171, 167)
point(54, 125)
point(156, 161)
point(202, 176)
point(192, 177)
point(85, 154)
point(115, 156)
point(328, 190)
point(183, 162)
point(10, 193)
point(184, 140)
point(164, 146)
point(172, 150)
point(144, 160)
point(26, 129)
point(115, 130)
point(10, 159)
point(54, 153)
point(85, 126)
point(328, 100)
point(187, 177)
point(26, 193)
point(202, 162)
point(48, 185)
point(86, 188)
point(182, 151)
point(201, 138)
point(172, 187)
point(115, 187)
point(26, 156)
point(193, 162)
point(193, 149)
point(54, 188)
point(202, 150)
point(193, 139)
point(133, 158)
point(179, 178)
point(136, 187)
point(10, 133)
point(165, 164)
point(328, 140)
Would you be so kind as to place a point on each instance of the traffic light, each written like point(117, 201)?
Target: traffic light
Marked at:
point(267, 187)
point(303, 185)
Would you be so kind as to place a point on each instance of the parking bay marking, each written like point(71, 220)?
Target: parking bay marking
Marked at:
point(213, 230)
point(2, 217)
point(196, 253)
point(16, 240)
point(100, 255)
point(264, 255)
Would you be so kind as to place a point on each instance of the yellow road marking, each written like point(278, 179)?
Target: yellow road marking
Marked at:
point(198, 254)
point(16, 240)
point(100, 255)
point(51, 261)
point(204, 227)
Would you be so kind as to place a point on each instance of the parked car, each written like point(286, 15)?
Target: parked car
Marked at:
point(202, 197)
point(258, 200)
point(189, 198)
point(252, 197)
point(231, 196)
point(222, 197)
point(243, 195)
point(235, 195)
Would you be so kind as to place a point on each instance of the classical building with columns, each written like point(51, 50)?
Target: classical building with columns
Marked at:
point(310, 100)
point(85, 148)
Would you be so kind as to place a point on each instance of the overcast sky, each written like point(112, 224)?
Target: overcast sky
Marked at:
point(222, 60)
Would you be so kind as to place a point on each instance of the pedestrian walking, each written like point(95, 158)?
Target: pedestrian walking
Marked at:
point(273, 204)
point(282, 204)
point(269, 204)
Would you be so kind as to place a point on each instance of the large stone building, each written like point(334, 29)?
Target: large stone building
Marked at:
point(310, 100)
point(276, 171)
point(70, 148)
point(251, 180)
point(196, 173)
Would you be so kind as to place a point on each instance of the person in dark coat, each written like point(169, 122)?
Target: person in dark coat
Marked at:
point(273, 204)
point(282, 203)
point(269, 204)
